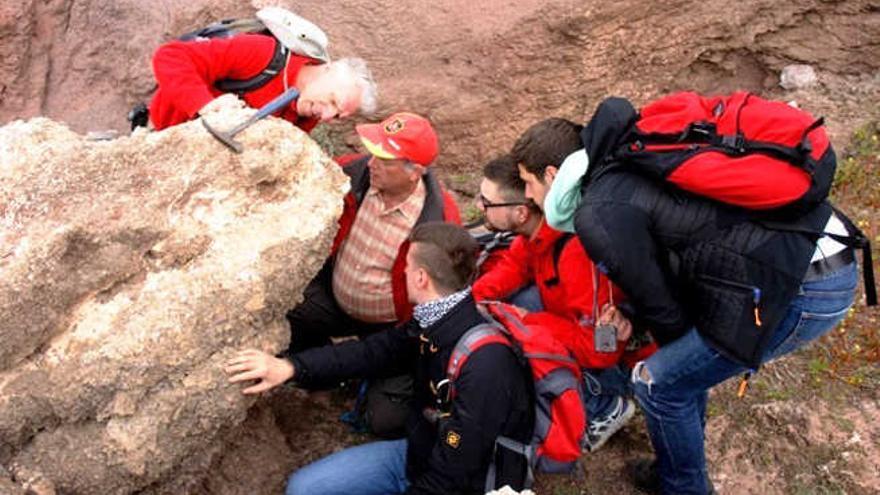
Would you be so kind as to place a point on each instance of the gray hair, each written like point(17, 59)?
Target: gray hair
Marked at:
point(369, 91)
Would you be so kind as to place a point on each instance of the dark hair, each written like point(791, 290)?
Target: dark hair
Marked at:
point(447, 252)
point(504, 172)
point(545, 144)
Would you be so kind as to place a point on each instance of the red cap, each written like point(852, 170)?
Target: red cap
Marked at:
point(401, 136)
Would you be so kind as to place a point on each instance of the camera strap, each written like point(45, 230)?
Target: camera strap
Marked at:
point(596, 294)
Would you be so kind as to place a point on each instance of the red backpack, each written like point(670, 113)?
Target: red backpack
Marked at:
point(738, 149)
point(560, 419)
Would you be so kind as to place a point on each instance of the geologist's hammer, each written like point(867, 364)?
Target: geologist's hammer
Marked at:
point(273, 106)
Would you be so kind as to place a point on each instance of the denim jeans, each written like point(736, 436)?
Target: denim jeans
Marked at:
point(528, 298)
point(603, 388)
point(377, 468)
point(672, 385)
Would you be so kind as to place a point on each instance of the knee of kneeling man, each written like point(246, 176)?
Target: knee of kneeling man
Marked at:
point(297, 484)
point(641, 378)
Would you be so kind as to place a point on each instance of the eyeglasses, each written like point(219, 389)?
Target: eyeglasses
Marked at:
point(488, 204)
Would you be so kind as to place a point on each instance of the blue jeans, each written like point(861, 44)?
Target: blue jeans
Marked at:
point(377, 468)
point(603, 388)
point(672, 385)
point(528, 298)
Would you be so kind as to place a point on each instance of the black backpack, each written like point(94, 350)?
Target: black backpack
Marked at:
point(228, 28)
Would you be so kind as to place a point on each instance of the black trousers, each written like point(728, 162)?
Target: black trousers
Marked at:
point(318, 318)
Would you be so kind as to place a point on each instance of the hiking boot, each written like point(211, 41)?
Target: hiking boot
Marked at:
point(643, 473)
point(600, 430)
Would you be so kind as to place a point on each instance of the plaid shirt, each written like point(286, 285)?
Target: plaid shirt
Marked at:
point(362, 272)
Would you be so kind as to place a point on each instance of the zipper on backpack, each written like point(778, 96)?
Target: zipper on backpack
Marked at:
point(756, 298)
point(756, 294)
point(672, 147)
point(638, 146)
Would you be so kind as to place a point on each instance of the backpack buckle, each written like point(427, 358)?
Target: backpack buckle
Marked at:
point(702, 131)
point(735, 143)
point(443, 392)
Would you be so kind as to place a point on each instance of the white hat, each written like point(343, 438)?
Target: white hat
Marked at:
point(297, 34)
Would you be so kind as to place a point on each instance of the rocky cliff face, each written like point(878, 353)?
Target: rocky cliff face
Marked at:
point(483, 71)
point(131, 270)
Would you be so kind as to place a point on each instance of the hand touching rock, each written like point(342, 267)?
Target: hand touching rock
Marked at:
point(252, 364)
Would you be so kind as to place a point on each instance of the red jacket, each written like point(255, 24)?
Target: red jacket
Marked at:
point(187, 70)
point(566, 294)
point(439, 206)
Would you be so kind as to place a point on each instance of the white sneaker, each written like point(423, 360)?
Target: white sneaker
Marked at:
point(600, 430)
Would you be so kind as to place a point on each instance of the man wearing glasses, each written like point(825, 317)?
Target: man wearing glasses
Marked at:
point(566, 281)
point(507, 215)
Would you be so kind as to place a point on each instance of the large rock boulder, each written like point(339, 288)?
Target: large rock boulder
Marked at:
point(130, 270)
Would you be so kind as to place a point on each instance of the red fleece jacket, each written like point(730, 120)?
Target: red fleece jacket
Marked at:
point(566, 294)
point(187, 70)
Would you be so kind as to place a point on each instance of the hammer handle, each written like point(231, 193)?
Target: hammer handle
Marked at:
point(273, 106)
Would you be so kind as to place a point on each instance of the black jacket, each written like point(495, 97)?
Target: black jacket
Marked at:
point(452, 455)
point(684, 260)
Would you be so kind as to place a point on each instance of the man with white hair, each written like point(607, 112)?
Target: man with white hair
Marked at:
point(191, 74)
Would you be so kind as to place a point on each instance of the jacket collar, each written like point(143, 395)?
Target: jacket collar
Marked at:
point(542, 241)
point(446, 331)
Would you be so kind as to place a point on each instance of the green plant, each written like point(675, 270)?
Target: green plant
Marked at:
point(858, 170)
point(471, 213)
point(331, 138)
point(818, 366)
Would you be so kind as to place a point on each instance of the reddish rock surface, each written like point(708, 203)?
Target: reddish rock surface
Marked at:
point(482, 70)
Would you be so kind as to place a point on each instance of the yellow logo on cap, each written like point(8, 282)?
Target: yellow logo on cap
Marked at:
point(394, 126)
point(453, 439)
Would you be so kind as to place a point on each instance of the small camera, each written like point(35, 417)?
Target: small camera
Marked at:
point(605, 337)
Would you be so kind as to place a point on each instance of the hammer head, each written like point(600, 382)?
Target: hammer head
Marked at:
point(224, 137)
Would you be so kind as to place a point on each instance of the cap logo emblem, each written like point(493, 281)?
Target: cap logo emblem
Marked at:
point(394, 126)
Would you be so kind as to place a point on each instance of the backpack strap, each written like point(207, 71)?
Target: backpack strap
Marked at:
point(855, 239)
point(525, 450)
point(473, 339)
point(491, 242)
point(558, 246)
point(241, 86)
point(798, 156)
point(227, 28)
